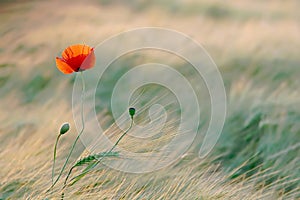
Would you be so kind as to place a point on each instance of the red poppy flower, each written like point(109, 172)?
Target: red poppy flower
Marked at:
point(76, 58)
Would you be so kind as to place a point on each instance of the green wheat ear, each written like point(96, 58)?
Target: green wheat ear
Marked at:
point(91, 159)
point(95, 157)
point(88, 160)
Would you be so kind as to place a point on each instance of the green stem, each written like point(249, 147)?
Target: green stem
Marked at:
point(54, 156)
point(70, 171)
point(78, 136)
point(118, 140)
point(98, 161)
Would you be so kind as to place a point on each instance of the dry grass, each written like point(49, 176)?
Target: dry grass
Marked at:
point(256, 45)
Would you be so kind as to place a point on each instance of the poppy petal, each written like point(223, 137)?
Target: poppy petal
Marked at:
point(89, 61)
point(63, 66)
point(76, 50)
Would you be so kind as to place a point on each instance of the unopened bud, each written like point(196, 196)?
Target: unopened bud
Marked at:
point(64, 128)
point(131, 112)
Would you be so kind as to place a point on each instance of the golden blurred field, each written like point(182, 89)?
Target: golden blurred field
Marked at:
point(256, 45)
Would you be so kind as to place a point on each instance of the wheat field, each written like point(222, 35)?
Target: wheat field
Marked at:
point(256, 46)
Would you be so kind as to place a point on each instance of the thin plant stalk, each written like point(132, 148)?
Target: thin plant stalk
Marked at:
point(98, 161)
point(78, 136)
point(54, 157)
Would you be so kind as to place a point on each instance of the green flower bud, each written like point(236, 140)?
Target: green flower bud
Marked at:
point(131, 112)
point(64, 128)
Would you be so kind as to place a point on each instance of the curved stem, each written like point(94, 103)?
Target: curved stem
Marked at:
point(65, 183)
point(98, 161)
point(78, 136)
point(54, 156)
point(120, 138)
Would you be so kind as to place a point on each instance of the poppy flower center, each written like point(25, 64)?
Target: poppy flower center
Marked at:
point(76, 62)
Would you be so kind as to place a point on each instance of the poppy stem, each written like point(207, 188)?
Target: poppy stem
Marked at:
point(54, 156)
point(90, 167)
point(78, 136)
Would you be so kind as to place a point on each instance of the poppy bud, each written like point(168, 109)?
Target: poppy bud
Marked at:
point(64, 128)
point(131, 112)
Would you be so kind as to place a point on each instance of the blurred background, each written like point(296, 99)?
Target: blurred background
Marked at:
point(255, 44)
